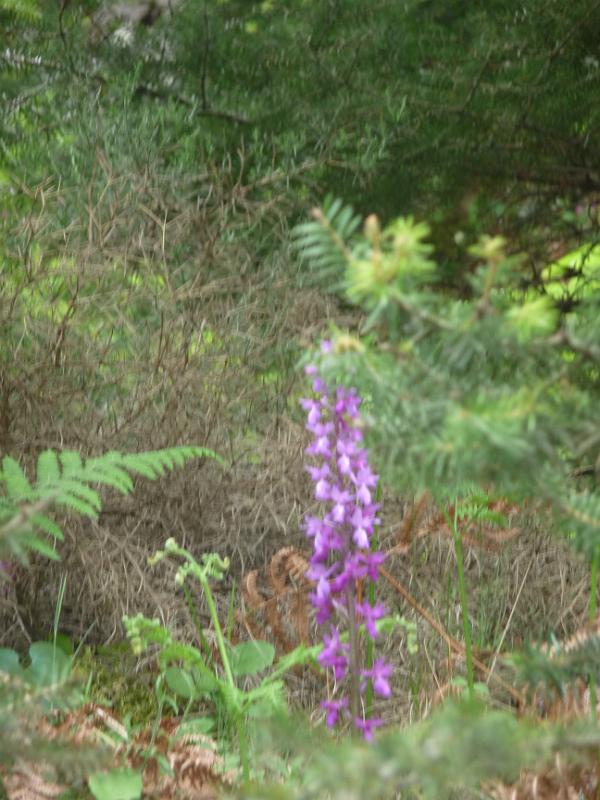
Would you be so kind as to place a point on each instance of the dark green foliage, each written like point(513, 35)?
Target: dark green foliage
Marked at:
point(558, 666)
point(454, 750)
point(483, 114)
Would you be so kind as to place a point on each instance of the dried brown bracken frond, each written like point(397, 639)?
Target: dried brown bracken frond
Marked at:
point(420, 523)
point(557, 782)
point(197, 769)
point(412, 523)
point(280, 601)
point(577, 640)
point(28, 781)
point(561, 780)
point(573, 701)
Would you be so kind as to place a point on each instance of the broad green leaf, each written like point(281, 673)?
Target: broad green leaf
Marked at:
point(49, 665)
point(248, 658)
point(9, 662)
point(181, 681)
point(118, 784)
point(206, 682)
point(177, 651)
point(65, 643)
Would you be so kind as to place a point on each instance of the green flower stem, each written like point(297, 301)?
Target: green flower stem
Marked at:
point(212, 608)
point(231, 611)
point(370, 654)
point(354, 659)
point(213, 567)
point(592, 611)
point(241, 730)
point(205, 647)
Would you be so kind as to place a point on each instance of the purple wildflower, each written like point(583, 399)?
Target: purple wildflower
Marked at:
point(341, 536)
point(365, 480)
point(367, 726)
point(333, 708)
point(379, 674)
point(370, 614)
point(322, 488)
point(369, 564)
point(322, 600)
point(334, 654)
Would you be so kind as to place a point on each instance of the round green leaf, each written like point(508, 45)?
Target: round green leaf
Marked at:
point(118, 784)
point(9, 662)
point(181, 681)
point(49, 664)
point(248, 658)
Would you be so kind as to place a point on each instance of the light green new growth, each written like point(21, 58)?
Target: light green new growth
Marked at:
point(189, 674)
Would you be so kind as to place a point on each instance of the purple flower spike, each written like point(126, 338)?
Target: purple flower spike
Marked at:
point(341, 538)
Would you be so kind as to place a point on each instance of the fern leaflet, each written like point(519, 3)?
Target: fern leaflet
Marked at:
point(325, 242)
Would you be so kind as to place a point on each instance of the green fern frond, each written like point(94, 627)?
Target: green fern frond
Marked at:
point(64, 479)
point(32, 543)
point(85, 507)
point(109, 473)
point(325, 242)
point(71, 462)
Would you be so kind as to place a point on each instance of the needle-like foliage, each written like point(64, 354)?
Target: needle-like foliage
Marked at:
point(496, 388)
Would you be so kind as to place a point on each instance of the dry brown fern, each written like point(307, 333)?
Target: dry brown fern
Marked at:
point(197, 770)
point(559, 781)
point(574, 700)
point(419, 523)
point(28, 781)
point(276, 605)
